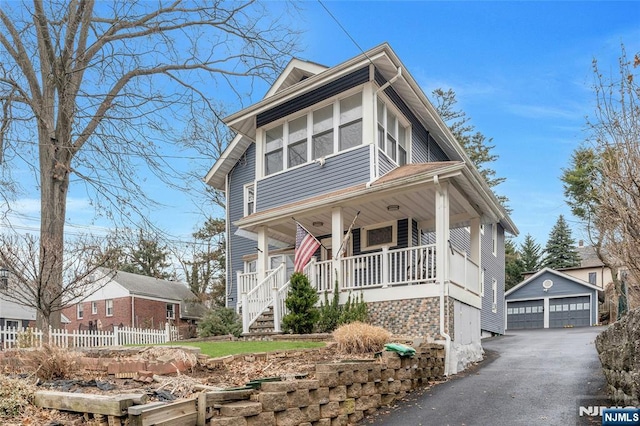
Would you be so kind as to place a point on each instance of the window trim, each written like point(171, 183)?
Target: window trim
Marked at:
point(94, 308)
point(494, 239)
point(334, 102)
point(365, 240)
point(494, 291)
point(482, 282)
point(106, 307)
point(400, 121)
point(80, 311)
point(171, 313)
point(247, 187)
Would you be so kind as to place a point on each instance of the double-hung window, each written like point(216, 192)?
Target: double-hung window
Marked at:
point(273, 153)
point(351, 122)
point(80, 311)
point(322, 139)
point(249, 199)
point(392, 134)
point(297, 142)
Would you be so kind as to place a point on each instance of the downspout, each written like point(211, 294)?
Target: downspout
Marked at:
point(447, 338)
point(375, 129)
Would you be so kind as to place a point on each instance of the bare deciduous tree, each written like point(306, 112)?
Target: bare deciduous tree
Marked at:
point(96, 90)
point(30, 286)
point(603, 183)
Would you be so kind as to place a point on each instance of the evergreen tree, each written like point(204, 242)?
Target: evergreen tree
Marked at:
point(530, 254)
point(301, 303)
point(514, 267)
point(560, 251)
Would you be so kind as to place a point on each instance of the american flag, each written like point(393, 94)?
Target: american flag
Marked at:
point(306, 245)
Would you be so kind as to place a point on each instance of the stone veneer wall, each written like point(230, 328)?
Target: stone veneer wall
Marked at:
point(412, 317)
point(619, 351)
point(340, 394)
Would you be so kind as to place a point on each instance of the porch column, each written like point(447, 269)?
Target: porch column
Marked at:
point(442, 233)
point(262, 264)
point(337, 228)
point(476, 247)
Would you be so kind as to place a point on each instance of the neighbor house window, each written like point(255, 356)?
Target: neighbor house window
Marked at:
point(13, 324)
point(94, 308)
point(319, 133)
point(592, 278)
point(80, 310)
point(378, 236)
point(109, 307)
point(249, 199)
point(482, 282)
point(392, 133)
point(494, 291)
point(171, 313)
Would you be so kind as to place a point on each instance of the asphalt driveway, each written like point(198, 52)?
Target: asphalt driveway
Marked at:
point(528, 377)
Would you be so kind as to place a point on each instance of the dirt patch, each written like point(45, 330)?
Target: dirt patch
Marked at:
point(234, 371)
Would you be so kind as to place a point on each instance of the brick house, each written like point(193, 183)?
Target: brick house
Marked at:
point(130, 300)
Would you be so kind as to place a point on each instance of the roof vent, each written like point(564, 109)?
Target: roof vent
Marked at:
point(547, 284)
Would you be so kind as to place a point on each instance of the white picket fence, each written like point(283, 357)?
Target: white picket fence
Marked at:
point(11, 337)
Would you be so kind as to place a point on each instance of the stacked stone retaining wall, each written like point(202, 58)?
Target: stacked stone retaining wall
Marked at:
point(619, 351)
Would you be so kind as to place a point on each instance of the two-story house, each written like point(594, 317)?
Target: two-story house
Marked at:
point(361, 140)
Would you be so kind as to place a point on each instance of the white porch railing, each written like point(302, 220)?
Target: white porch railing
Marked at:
point(258, 299)
point(463, 271)
point(11, 337)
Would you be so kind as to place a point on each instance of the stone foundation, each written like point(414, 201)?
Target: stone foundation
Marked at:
point(619, 351)
point(412, 317)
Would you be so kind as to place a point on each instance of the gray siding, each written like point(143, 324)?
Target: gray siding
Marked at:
point(435, 152)
point(385, 163)
point(240, 175)
point(419, 147)
point(340, 171)
point(493, 268)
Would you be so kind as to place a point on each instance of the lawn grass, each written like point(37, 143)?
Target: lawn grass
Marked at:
point(218, 349)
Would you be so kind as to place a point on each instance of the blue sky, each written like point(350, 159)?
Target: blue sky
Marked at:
point(521, 71)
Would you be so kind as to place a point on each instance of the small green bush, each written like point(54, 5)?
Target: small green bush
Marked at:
point(301, 300)
point(219, 322)
point(354, 310)
point(330, 311)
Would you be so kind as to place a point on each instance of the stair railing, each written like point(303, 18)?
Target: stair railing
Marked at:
point(263, 295)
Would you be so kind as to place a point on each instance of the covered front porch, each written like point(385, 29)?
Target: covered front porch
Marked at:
point(399, 247)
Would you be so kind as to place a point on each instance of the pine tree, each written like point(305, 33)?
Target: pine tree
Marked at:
point(560, 251)
point(530, 254)
point(301, 303)
point(514, 267)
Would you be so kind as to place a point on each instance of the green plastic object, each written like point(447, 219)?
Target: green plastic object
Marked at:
point(402, 350)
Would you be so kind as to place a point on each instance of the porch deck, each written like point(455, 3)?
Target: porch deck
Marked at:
point(380, 270)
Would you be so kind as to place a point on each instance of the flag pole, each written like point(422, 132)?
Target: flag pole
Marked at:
point(307, 231)
point(346, 236)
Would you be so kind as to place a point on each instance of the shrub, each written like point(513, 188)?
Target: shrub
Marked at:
point(15, 396)
point(330, 312)
point(50, 362)
point(354, 310)
point(220, 321)
point(301, 300)
point(358, 337)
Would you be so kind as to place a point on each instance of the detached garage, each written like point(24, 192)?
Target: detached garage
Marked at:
point(551, 299)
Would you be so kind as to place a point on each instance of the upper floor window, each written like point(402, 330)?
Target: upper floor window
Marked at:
point(249, 199)
point(592, 278)
point(392, 134)
point(108, 305)
point(494, 239)
point(94, 308)
point(494, 292)
point(319, 133)
point(80, 311)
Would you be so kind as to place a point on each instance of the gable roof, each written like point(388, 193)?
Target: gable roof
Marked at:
point(390, 68)
point(141, 285)
point(553, 272)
